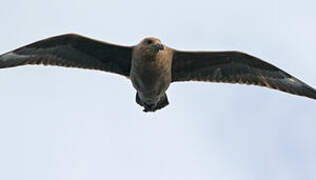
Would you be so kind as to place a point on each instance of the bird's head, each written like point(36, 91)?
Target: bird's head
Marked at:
point(151, 46)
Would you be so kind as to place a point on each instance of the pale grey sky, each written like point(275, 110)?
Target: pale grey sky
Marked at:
point(61, 123)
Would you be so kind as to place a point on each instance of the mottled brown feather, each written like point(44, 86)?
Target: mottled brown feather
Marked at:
point(71, 50)
point(235, 67)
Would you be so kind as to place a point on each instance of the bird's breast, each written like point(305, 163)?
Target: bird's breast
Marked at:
point(150, 78)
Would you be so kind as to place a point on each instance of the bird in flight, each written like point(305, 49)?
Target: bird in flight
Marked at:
point(152, 66)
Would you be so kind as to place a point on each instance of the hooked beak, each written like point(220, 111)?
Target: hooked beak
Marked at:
point(158, 46)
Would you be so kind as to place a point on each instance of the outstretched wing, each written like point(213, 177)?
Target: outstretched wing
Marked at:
point(235, 67)
point(72, 50)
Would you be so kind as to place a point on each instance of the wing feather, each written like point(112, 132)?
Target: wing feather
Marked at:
point(71, 50)
point(235, 67)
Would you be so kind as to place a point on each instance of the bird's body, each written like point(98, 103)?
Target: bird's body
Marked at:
point(151, 74)
point(152, 66)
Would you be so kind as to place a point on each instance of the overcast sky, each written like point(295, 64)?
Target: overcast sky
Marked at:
point(61, 123)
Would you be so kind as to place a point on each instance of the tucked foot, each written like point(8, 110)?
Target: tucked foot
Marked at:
point(153, 107)
point(149, 107)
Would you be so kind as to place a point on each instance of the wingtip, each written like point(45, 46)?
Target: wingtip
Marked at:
point(311, 93)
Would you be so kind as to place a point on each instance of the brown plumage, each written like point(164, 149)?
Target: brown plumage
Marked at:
point(152, 66)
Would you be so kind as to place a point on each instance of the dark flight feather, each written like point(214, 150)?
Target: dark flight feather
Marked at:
point(72, 50)
point(235, 67)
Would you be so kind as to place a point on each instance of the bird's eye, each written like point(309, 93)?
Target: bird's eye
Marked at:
point(149, 42)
